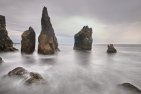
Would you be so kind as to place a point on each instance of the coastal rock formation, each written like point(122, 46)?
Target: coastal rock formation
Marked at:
point(111, 49)
point(130, 87)
point(19, 71)
point(28, 41)
point(1, 61)
point(34, 78)
point(47, 40)
point(6, 43)
point(30, 77)
point(83, 39)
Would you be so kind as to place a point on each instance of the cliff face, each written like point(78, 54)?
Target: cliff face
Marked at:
point(28, 41)
point(83, 39)
point(6, 43)
point(47, 40)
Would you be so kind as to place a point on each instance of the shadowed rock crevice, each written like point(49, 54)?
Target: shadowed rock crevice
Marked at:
point(1, 61)
point(83, 39)
point(6, 44)
point(28, 41)
point(47, 40)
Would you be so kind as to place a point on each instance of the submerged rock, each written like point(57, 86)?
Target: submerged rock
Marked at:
point(130, 87)
point(6, 44)
point(28, 41)
point(83, 39)
point(47, 40)
point(111, 49)
point(30, 77)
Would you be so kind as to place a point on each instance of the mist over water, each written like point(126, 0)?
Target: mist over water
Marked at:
point(74, 72)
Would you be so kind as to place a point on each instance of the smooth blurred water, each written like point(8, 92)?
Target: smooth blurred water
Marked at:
point(74, 72)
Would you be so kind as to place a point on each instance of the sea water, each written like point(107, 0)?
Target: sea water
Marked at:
point(74, 72)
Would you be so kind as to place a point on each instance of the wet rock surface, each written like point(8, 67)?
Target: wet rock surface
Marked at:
point(47, 40)
point(6, 44)
point(28, 41)
point(30, 77)
point(131, 88)
point(34, 78)
point(111, 49)
point(83, 39)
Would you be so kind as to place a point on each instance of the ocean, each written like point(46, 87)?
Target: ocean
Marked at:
point(75, 72)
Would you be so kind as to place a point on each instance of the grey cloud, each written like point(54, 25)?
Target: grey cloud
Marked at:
point(109, 11)
point(20, 14)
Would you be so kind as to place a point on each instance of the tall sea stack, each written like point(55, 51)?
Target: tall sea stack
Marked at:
point(28, 41)
point(6, 44)
point(83, 39)
point(47, 40)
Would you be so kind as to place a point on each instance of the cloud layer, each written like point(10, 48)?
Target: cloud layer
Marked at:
point(113, 21)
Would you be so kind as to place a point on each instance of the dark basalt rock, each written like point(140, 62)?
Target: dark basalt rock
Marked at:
point(28, 41)
point(19, 71)
point(47, 40)
point(30, 77)
point(34, 78)
point(111, 49)
point(6, 43)
point(83, 39)
point(130, 87)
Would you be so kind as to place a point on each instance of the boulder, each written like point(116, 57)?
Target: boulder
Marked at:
point(47, 40)
point(83, 39)
point(28, 41)
point(130, 87)
point(19, 71)
point(29, 77)
point(6, 44)
point(34, 78)
point(111, 49)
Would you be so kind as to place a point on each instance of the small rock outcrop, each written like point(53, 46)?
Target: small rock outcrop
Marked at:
point(83, 39)
point(30, 77)
point(111, 49)
point(1, 61)
point(19, 71)
point(6, 43)
point(130, 87)
point(47, 40)
point(28, 41)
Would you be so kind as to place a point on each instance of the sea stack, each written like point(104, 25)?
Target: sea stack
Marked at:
point(28, 41)
point(6, 44)
point(83, 39)
point(47, 40)
point(111, 49)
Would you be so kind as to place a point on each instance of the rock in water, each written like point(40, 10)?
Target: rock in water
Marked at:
point(47, 40)
point(28, 41)
point(19, 71)
point(6, 43)
point(130, 87)
point(111, 49)
point(30, 77)
point(83, 39)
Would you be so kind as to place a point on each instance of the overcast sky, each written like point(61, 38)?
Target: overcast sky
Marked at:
point(113, 21)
